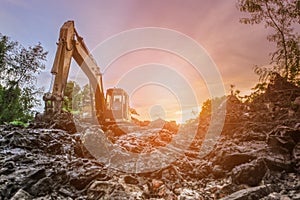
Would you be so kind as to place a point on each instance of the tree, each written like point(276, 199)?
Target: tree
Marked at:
point(282, 17)
point(10, 105)
point(210, 104)
point(86, 95)
point(18, 69)
point(234, 92)
point(88, 101)
point(72, 96)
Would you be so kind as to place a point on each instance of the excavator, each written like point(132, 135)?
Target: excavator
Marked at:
point(114, 107)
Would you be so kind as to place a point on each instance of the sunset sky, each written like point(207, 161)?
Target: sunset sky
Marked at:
point(234, 48)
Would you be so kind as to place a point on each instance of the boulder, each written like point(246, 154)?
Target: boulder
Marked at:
point(252, 193)
point(21, 195)
point(283, 138)
point(130, 180)
point(296, 157)
point(42, 187)
point(250, 173)
point(102, 189)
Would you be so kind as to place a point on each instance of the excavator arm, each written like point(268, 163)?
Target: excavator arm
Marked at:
point(71, 45)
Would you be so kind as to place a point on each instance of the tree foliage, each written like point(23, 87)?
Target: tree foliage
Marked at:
point(18, 69)
point(282, 17)
point(86, 95)
point(209, 105)
point(72, 96)
point(10, 105)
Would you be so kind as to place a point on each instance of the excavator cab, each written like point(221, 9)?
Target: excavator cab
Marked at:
point(117, 105)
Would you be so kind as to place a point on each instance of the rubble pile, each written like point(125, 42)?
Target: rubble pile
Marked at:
point(65, 121)
point(281, 101)
point(257, 156)
point(142, 139)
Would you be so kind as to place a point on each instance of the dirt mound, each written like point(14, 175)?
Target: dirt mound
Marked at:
point(256, 157)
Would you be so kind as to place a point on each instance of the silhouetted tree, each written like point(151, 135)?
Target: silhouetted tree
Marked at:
point(282, 17)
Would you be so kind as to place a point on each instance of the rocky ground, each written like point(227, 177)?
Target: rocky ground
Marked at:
point(256, 157)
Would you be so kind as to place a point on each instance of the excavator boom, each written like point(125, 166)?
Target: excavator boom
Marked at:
point(71, 45)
